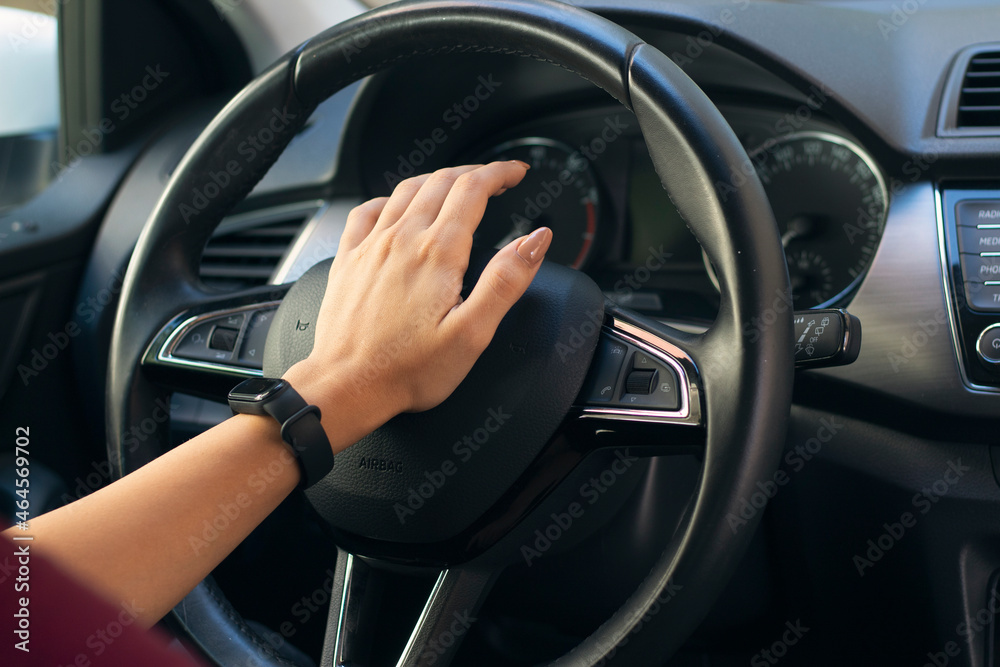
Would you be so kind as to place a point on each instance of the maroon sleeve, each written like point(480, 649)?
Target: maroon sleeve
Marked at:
point(50, 619)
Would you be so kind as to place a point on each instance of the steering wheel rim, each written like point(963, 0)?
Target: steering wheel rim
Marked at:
point(745, 367)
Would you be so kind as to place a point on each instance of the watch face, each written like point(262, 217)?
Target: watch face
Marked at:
point(256, 389)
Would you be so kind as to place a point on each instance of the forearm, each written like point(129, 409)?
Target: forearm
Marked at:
point(153, 535)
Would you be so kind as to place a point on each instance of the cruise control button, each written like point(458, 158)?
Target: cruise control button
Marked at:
point(642, 360)
point(640, 382)
point(605, 370)
point(663, 394)
point(976, 240)
point(972, 213)
point(982, 296)
point(252, 349)
point(989, 345)
point(666, 389)
point(233, 321)
point(981, 269)
point(224, 339)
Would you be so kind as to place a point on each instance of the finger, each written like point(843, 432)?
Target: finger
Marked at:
point(360, 222)
point(426, 204)
point(465, 204)
point(399, 200)
point(502, 283)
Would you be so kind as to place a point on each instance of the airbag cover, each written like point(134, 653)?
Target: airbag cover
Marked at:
point(425, 477)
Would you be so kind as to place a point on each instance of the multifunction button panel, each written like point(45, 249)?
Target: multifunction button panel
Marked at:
point(214, 340)
point(626, 377)
point(971, 234)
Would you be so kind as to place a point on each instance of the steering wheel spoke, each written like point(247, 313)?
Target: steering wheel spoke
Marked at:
point(446, 617)
point(644, 389)
point(207, 347)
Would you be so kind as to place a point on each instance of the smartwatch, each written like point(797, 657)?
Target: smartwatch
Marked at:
point(300, 422)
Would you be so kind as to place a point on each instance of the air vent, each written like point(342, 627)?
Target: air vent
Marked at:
point(979, 101)
point(971, 104)
point(246, 249)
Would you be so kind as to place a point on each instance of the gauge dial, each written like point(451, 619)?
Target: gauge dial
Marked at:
point(558, 192)
point(830, 202)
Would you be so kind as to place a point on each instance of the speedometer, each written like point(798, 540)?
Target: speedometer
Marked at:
point(830, 203)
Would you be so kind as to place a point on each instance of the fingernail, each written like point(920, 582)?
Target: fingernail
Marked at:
point(523, 164)
point(533, 248)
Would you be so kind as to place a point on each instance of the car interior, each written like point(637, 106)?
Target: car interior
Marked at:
point(747, 413)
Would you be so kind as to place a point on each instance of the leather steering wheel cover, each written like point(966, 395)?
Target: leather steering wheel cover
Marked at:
point(747, 379)
point(577, 40)
point(692, 148)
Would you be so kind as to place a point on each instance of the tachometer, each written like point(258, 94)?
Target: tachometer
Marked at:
point(558, 191)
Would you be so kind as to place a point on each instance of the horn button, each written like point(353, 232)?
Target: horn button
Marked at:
point(425, 477)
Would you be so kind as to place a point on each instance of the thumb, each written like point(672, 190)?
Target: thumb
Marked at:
point(502, 283)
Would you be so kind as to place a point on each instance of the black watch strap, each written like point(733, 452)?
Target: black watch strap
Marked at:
point(300, 427)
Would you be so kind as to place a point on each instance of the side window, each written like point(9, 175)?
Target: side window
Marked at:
point(29, 99)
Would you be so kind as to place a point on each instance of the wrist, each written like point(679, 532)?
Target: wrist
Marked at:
point(266, 431)
point(348, 413)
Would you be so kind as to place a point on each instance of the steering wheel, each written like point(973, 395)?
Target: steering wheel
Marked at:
point(549, 367)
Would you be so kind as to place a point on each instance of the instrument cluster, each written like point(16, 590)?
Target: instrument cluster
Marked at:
point(593, 183)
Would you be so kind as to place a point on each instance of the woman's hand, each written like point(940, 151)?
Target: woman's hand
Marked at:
point(394, 334)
